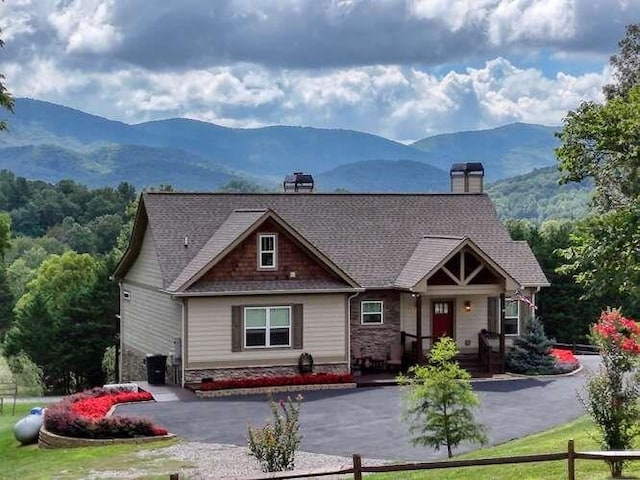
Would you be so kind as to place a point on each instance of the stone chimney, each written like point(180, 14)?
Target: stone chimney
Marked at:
point(467, 177)
point(298, 183)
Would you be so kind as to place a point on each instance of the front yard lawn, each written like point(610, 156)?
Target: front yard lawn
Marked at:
point(553, 440)
point(30, 462)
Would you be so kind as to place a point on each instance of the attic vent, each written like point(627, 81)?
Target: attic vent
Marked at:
point(298, 182)
point(467, 177)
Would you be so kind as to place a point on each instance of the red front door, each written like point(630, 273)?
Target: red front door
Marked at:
point(442, 319)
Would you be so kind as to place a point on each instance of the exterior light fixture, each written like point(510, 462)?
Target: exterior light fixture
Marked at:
point(467, 306)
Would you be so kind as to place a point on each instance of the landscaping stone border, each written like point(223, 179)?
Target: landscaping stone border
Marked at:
point(264, 390)
point(47, 439)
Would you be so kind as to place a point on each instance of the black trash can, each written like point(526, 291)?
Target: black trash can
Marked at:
point(156, 365)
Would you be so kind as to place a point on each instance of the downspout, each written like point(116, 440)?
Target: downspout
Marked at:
point(183, 343)
point(348, 315)
point(119, 333)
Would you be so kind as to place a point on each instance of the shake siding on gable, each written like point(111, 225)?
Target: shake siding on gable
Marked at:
point(151, 320)
point(209, 331)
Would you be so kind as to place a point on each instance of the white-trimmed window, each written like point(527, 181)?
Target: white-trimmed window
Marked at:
point(371, 312)
point(267, 327)
point(511, 317)
point(267, 257)
point(126, 294)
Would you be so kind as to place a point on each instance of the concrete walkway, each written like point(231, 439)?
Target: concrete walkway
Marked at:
point(368, 420)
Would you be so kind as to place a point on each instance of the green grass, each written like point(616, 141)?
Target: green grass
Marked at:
point(550, 441)
point(30, 462)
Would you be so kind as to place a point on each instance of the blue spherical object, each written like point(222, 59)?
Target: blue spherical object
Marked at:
point(26, 430)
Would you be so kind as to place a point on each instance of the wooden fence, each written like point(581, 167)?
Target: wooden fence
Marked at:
point(578, 348)
point(357, 469)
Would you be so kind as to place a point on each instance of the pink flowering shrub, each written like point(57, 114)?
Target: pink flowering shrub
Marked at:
point(613, 394)
point(615, 331)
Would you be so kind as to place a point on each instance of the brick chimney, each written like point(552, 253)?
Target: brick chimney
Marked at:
point(467, 177)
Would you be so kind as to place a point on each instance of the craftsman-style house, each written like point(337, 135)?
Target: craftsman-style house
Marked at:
point(241, 284)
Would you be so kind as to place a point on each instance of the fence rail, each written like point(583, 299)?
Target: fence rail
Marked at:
point(357, 468)
point(578, 348)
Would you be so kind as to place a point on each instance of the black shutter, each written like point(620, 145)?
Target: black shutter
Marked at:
point(236, 329)
point(297, 323)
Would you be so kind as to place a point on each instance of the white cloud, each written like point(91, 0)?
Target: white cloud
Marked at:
point(392, 101)
point(85, 26)
point(456, 14)
point(544, 21)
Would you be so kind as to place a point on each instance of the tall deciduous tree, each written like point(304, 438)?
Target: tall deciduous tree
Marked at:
point(66, 319)
point(6, 101)
point(626, 64)
point(600, 141)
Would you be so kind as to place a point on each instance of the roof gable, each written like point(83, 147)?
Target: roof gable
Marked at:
point(432, 253)
point(232, 252)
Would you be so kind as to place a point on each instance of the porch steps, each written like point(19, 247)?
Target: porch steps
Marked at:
point(471, 363)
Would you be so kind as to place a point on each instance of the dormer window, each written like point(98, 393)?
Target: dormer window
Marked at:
point(267, 251)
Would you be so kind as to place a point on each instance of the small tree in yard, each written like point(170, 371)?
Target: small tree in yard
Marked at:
point(531, 353)
point(612, 395)
point(440, 403)
point(275, 445)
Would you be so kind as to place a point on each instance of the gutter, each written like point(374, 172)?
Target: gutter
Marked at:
point(261, 292)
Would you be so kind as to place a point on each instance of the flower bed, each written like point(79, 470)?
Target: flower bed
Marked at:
point(566, 361)
point(277, 381)
point(84, 415)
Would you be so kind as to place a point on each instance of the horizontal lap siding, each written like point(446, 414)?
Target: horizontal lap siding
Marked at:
point(146, 268)
point(469, 324)
point(151, 320)
point(209, 328)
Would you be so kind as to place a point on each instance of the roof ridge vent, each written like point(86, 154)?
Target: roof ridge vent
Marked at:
point(251, 210)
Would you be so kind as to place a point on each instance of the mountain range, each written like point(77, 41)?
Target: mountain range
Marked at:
point(50, 142)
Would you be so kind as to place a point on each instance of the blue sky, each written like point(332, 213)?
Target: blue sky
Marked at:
point(401, 69)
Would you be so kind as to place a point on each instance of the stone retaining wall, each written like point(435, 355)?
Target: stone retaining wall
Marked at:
point(47, 439)
point(267, 390)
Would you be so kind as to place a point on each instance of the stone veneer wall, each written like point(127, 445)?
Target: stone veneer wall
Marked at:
point(47, 439)
point(134, 368)
point(375, 340)
point(195, 376)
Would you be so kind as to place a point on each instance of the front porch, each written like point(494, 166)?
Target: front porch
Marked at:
point(489, 359)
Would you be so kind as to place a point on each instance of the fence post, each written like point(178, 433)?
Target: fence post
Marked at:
point(571, 460)
point(357, 467)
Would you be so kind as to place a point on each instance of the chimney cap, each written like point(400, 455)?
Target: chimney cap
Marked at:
point(468, 168)
point(298, 182)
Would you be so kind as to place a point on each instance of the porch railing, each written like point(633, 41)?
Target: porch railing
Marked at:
point(409, 344)
point(487, 351)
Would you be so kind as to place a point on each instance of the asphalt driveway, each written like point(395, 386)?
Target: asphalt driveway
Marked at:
point(368, 420)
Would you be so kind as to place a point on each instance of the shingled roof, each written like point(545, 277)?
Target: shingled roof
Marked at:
point(370, 237)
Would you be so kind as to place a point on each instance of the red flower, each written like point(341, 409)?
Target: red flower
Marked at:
point(614, 330)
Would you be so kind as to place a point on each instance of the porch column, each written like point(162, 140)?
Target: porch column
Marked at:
point(419, 351)
point(502, 346)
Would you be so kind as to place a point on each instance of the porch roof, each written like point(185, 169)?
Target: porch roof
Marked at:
point(512, 260)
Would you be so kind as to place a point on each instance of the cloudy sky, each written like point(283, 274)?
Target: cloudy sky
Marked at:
point(401, 69)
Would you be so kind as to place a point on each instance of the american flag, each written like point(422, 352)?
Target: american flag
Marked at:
point(520, 297)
